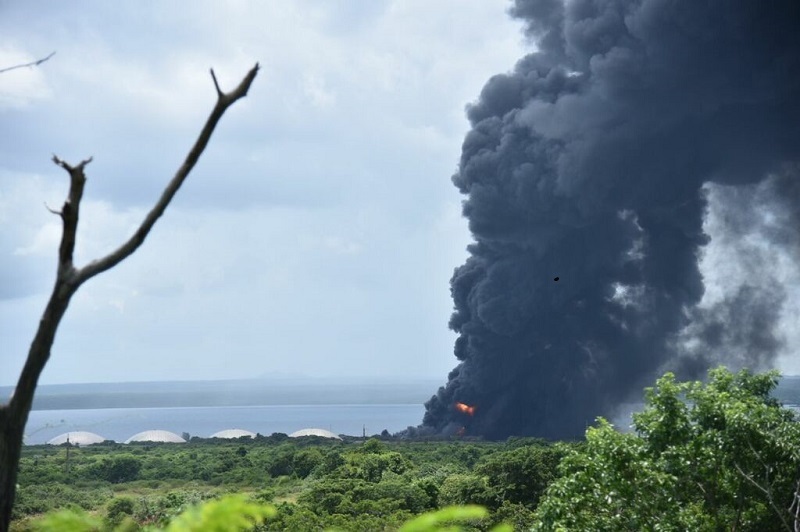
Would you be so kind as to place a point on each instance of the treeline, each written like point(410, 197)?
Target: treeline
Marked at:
point(718, 456)
point(313, 482)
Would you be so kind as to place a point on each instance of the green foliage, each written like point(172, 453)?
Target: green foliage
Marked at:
point(118, 508)
point(716, 456)
point(41, 498)
point(160, 509)
point(373, 445)
point(719, 456)
point(332, 461)
point(305, 461)
point(231, 513)
point(438, 519)
point(357, 497)
point(444, 520)
point(463, 489)
point(516, 515)
point(315, 484)
point(121, 468)
point(281, 463)
point(235, 513)
point(371, 467)
point(294, 517)
point(522, 474)
point(72, 520)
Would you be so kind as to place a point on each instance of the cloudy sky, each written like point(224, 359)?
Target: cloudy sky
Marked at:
point(318, 233)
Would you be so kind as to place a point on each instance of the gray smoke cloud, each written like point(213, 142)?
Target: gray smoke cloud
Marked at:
point(594, 161)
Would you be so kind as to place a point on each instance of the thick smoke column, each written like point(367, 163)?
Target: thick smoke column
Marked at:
point(591, 162)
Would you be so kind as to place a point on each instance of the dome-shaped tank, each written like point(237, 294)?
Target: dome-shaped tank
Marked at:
point(77, 437)
point(232, 434)
point(322, 433)
point(163, 436)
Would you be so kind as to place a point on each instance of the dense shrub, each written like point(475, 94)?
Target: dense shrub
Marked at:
point(121, 468)
point(40, 498)
point(461, 489)
point(118, 508)
point(522, 474)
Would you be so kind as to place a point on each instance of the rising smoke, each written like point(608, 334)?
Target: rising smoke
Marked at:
point(596, 161)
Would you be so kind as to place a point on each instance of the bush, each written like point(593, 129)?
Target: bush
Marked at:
point(121, 468)
point(37, 499)
point(119, 507)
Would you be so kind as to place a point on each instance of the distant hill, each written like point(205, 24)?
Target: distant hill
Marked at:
point(289, 391)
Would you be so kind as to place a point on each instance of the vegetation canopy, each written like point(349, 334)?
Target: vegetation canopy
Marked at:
point(724, 455)
point(718, 456)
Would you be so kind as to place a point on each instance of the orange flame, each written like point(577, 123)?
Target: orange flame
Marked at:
point(466, 409)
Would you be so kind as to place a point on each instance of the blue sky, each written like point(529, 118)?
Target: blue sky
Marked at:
point(318, 232)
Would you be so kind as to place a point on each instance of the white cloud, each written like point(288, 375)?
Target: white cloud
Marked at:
point(318, 231)
point(44, 242)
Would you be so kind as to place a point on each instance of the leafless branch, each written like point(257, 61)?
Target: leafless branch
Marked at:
point(216, 85)
point(31, 64)
point(14, 414)
point(46, 206)
point(224, 100)
point(69, 216)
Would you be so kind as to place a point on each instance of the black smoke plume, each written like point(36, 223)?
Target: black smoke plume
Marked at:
point(591, 163)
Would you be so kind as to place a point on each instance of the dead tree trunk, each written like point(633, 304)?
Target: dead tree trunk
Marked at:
point(14, 414)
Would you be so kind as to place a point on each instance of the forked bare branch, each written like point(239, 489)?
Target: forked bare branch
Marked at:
point(224, 100)
point(31, 64)
point(14, 414)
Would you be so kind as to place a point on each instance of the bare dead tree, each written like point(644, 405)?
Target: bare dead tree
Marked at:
point(69, 278)
point(31, 64)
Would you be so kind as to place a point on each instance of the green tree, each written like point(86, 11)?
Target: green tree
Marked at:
point(467, 488)
point(123, 468)
point(294, 517)
point(281, 463)
point(716, 456)
point(372, 462)
point(305, 461)
point(522, 474)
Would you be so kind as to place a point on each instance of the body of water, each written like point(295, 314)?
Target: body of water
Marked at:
point(119, 424)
